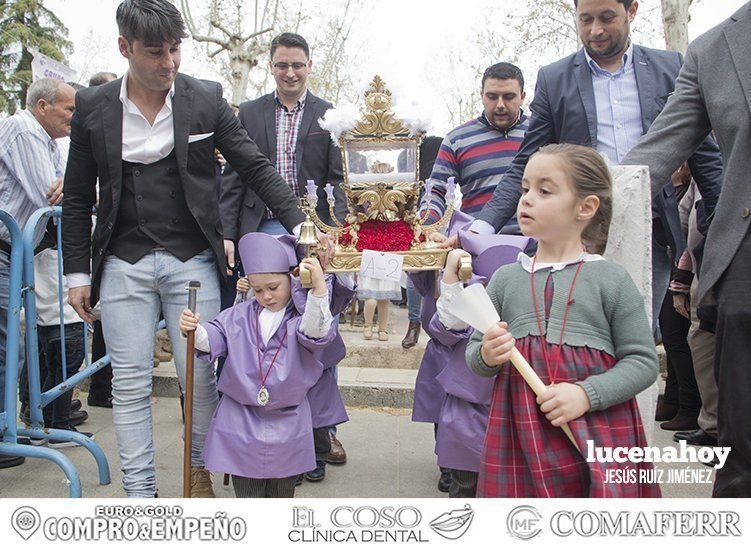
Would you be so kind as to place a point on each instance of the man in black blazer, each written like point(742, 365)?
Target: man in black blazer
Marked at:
point(149, 139)
point(284, 125)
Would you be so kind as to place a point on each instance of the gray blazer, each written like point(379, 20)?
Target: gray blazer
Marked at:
point(713, 92)
point(317, 159)
point(564, 111)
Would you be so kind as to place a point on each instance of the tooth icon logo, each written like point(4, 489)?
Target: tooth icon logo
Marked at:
point(452, 525)
point(25, 521)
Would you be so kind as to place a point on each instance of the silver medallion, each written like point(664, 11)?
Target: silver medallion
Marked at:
point(263, 396)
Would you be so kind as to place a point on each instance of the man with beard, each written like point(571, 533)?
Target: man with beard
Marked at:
point(606, 96)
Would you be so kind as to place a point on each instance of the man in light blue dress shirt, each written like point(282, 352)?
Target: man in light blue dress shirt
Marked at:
point(606, 96)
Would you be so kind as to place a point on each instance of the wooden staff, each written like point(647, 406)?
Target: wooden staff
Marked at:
point(192, 287)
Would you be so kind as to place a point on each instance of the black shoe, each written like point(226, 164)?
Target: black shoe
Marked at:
point(300, 479)
point(56, 444)
point(8, 461)
point(78, 417)
point(100, 402)
point(444, 482)
point(75, 404)
point(697, 437)
point(318, 473)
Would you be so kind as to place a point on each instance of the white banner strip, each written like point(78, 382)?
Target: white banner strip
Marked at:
point(375, 520)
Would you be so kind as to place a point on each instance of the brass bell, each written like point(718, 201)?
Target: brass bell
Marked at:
point(308, 239)
point(308, 236)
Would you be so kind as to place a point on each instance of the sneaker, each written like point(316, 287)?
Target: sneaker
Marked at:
point(56, 443)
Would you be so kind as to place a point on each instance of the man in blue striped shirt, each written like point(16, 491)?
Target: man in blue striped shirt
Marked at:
point(31, 170)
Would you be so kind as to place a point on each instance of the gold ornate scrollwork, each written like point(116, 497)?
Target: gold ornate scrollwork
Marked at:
point(378, 119)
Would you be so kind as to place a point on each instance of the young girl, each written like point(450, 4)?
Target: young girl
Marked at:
point(580, 322)
point(262, 432)
point(466, 405)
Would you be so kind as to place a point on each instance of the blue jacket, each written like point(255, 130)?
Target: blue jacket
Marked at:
point(564, 111)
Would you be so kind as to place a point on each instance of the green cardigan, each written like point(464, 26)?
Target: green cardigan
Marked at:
point(607, 314)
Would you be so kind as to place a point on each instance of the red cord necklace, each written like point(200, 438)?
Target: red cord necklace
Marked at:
point(263, 393)
point(554, 373)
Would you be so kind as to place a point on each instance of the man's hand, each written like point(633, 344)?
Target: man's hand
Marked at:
point(443, 241)
point(681, 305)
point(229, 252)
point(325, 248)
point(55, 192)
point(80, 300)
point(563, 402)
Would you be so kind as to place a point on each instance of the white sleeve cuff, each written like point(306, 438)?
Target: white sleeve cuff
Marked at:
point(347, 279)
point(202, 339)
point(296, 230)
point(482, 227)
point(77, 279)
point(443, 304)
point(317, 319)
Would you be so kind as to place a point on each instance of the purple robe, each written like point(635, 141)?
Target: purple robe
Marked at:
point(326, 403)
point(245, 438)
point(429, 394)
point(464, 413)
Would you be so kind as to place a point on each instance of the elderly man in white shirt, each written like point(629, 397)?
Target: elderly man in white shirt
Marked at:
point(31, 170)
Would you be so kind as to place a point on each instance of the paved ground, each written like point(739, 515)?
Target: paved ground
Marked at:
point(389, 456)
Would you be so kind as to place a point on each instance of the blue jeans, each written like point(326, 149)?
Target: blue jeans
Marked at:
point(414, 302)
point(272, 226)
point(661, 270)
point(57, 412)
point(4, 301)
point(132, 296)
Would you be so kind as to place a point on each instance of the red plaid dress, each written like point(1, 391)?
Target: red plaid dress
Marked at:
point(523, 455)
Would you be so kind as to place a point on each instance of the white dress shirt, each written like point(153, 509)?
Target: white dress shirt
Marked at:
point(142, 143)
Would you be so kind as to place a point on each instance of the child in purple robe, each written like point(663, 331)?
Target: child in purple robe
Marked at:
point(261, 431)
point(464, 413)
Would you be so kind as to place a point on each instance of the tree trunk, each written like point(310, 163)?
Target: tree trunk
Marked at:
point(240, 65)
point(675, 16)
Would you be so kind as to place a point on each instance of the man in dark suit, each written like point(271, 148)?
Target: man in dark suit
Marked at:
point(606, 96)
point(284, 125)
point(149, 138)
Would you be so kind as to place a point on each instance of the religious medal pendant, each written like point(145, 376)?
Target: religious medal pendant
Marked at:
point(263, 396)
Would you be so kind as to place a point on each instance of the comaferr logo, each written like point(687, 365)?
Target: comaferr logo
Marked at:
point(524, 522)
point(452, 525)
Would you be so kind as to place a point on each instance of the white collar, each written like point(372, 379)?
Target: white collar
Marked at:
point(626, 64)
point(526, 262)
point(30, 118)
point(124, 93)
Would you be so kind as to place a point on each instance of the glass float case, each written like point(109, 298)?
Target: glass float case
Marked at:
point(382, 185)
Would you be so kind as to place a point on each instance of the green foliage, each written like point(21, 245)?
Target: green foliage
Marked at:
point(26, 24)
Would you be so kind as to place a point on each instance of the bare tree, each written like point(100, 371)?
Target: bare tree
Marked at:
point(243, 29)
point(675, 18)
point(226, 34)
